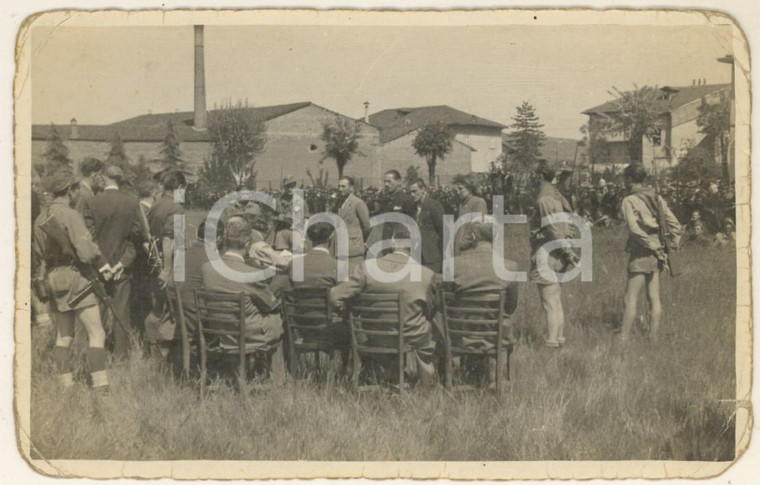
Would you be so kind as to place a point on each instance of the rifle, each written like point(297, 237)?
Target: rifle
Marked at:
point(155, 262)
point(663, 230)
point(96, 284)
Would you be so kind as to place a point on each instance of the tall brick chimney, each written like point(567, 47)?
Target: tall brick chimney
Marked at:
point(366, 112)
point(200, 116)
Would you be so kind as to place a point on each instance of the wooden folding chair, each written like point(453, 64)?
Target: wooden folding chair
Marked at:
point(476, 316)
point(308, 317)
point(377, 329)
point(174, 300)
point(216, 309)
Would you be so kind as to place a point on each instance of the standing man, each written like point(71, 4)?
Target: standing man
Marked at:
point(643, 210)
point(395, 200)
point(468, 203)
point(430, 223)
point(550, 202)
point(283, 240)
point(62, 253)
point(114, 223)
point(89, 183)
point(161, 219)
point(398, 200)
point(355, 214)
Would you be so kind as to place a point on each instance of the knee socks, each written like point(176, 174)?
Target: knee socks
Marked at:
point(96, 359)
point(62, 363)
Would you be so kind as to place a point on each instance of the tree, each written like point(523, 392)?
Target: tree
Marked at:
point(412, 174)
point(117, 156)
point(714, 120)
point(236, 140)
point(341, 139)
point(526, 137)
point(697, 164)
point(171, 155)
point(57, 153)
point(433, 142)
point(636, 115)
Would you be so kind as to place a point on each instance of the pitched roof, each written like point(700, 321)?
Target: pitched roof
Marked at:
point(681, 96)
point(152, 127)
point(397, 122)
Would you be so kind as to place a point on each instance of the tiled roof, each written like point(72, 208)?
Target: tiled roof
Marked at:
point(681, 96)
point(394, 123)
point(152, 127)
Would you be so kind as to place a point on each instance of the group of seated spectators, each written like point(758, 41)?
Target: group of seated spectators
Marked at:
point(419, 298)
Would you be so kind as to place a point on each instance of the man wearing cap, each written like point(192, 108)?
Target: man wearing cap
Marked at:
point(114, 223)
point(89, 183)
point(60, 260)
point(550, 202)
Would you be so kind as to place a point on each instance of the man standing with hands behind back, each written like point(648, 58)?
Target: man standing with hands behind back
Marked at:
point(113, 221)
point(430, 221)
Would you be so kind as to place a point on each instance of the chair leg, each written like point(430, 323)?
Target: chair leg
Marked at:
point(509, 370)
point(292, 357)
point(242, 372)
point(202, 346)
point(401, 371)
point(355, 369)
point(449, 370)
point(498, 373)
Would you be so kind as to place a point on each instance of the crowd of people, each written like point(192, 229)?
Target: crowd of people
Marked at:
point(104, 256)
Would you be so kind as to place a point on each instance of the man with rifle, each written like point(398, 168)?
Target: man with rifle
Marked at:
point(653, 231)
point(71, 273)
point(113, 220)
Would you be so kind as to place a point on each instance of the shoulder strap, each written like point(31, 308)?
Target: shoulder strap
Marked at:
point(651, 204)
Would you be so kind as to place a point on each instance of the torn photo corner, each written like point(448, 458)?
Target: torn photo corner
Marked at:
point(140, 354)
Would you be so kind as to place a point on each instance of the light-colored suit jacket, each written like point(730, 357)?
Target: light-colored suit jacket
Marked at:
point(418, 298)
point(355, 214)
point(263, 325)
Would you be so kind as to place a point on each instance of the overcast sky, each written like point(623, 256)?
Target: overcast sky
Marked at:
point(102, 75)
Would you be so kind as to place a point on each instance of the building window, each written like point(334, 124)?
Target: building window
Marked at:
point(657, 138)
point(312, 148)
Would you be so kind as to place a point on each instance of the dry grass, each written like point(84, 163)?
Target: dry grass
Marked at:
point(592, 400)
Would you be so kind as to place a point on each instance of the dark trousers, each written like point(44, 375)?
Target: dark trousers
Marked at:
point(121, 305)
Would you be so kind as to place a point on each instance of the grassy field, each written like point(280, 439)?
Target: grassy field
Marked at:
point(595, 399)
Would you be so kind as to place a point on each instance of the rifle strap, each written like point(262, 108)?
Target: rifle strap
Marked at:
point(651, 203)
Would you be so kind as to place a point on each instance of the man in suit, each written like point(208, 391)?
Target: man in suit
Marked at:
point(161, 218)
point(320, 268)
point(395, 200)
point(355, 214)
point(262, 319)
point(113, 221)
point(430, 223)
point(418, 304)
point(89, 183)
point(468, 203)
point(474, 272)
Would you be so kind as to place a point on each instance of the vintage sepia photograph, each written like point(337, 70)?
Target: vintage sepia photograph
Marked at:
point(382, 244)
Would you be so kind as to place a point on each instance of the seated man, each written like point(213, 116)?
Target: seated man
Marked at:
point(261, 254)
point(263, 323)
point(418, 303)
point(320, 268)
point(195, 257)
point(474, 272)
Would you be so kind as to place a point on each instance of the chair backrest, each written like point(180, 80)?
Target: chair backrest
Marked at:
point(376, 323)
point(473, 316)
point(221, 314)
point(307, 313)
